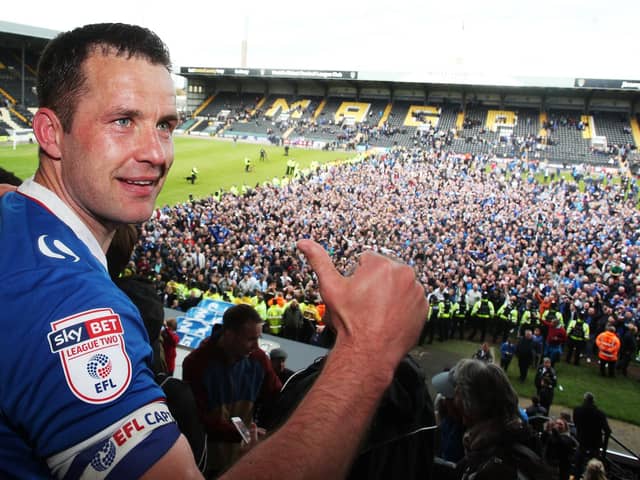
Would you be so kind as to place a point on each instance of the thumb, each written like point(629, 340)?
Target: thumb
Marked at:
point(320, 262)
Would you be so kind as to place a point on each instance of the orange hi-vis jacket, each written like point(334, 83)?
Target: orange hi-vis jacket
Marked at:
point(545, 304)
point(322, 308)
point(608, 345)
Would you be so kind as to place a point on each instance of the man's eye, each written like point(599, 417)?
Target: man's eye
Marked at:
point(123, 122)
point(166, 127)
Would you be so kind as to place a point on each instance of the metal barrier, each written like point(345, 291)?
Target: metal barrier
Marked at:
point(622, 465)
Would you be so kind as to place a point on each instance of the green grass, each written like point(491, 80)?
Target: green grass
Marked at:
point(618, 397)
point(22, 161)
point(220, 165)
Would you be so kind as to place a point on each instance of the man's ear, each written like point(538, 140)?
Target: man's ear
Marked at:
point(48, 131)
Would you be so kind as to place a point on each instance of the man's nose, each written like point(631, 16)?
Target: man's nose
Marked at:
point(152, 147)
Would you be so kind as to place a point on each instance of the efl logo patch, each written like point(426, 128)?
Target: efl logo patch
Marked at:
point(104, 457)
point(92, 351)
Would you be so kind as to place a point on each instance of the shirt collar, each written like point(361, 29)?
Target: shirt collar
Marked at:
point(61, 210)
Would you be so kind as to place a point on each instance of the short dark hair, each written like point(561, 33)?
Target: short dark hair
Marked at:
point(236, 317)
point(61, 78)
point(589, 399)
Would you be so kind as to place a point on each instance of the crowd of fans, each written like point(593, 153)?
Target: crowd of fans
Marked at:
point(472, 229)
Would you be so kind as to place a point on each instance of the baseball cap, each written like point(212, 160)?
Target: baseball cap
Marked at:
point(445, 383)
point(278, 353)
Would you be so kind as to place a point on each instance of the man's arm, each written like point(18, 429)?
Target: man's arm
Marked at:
point(271, 384)
point(176, 463)
point(537, 379)
point(474, 308)
point(340, 405)
point(175, 338)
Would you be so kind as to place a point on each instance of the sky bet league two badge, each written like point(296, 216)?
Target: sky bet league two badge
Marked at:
point(92, 351)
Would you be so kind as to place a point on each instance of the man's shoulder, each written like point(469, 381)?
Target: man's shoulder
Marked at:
point(203, 350)
point(586, 410)
point(259, 355)
point(33, 239)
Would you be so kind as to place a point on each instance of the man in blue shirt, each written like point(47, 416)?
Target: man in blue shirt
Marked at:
point(507, 351)
point(79, 398)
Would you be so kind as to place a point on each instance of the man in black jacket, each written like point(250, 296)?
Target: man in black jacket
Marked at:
point(545, 383)
point(524, 352)
point(628, 348)
point(294, 323)
point(593, 432)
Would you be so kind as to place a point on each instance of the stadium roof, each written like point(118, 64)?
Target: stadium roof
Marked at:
point(445, 78)
point(17, 35)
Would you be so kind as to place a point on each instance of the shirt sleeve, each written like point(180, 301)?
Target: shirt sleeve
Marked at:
point(271, 384)
point(85, 400)
point(125, 449)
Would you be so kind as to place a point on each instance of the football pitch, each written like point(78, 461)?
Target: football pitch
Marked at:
point(220, 164)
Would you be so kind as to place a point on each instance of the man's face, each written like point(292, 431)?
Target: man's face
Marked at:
point(244, 341)
point(560, 425)
point(117, 155)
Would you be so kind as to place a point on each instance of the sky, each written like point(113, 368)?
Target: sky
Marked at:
point(542, 38)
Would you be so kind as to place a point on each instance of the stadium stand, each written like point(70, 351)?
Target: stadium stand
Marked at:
point(8, 120)
point(187, 125)
point(359, 114)
point(341, 122)
point(4, 128)
point(615, 127)
point(344, 122)
point(396, 132)
point(527, 122)
point(565, 141)
point(21, 116)
point(448, 117)
point(238, 105)
point(11, 79)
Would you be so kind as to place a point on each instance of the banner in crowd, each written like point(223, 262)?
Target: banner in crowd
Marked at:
point(195, 325)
